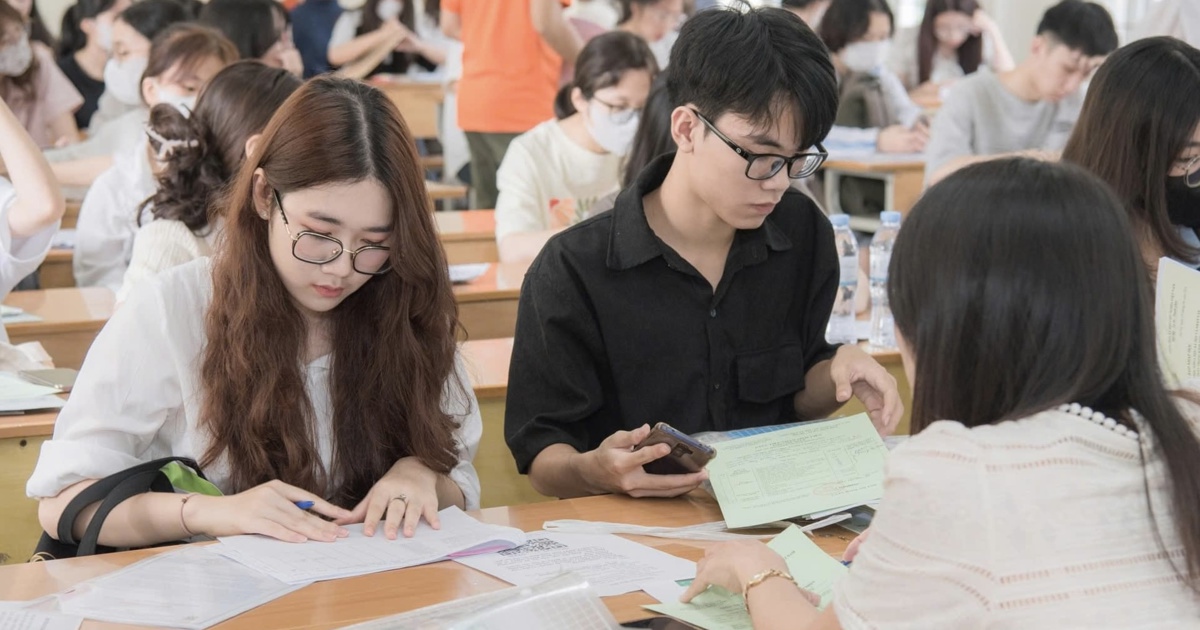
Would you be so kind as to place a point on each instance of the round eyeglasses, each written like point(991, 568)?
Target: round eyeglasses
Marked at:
point(761, 166)
point(320, 249)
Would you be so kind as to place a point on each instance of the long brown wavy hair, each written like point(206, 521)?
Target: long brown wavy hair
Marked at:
point(393, 339)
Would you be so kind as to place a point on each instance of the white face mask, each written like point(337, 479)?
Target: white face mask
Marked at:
point(613, 136)
point(104, 35)
point(866, 56)
point(389, 9)
point(15, 59)
point(185, 104)
point(123, 79)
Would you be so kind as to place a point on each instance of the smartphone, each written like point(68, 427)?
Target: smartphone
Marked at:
point(61, 378)
point(687, 455)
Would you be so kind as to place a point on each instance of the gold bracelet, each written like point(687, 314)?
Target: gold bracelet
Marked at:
point(182, 503)
point(763, 577)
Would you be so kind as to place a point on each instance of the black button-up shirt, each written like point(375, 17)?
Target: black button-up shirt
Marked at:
point(615, 329)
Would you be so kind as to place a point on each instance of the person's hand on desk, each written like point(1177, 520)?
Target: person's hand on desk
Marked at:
point(405, 494)
point(900, 139)
point(268, 509)
point(855, 373)
point(735, 564)
point(615, 467)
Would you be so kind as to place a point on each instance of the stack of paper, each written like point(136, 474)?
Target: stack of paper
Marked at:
point(808, 470)
point(359, 554)
point(188, 588)
point(718, 609)
point(563, 602)
point(611, 565)
point(18, 395)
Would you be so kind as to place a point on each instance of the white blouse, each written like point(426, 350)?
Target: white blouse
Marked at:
point(108, 219)
point(1033, 524)
point(138, 396)
point(19, 257)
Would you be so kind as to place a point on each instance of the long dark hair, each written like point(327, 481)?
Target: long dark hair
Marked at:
point(602, 63)
point(23, 87)
point(653, 137)
point(329, 131)
point(970, 53)
point(251, 25)
point(72, 39)
point(1018, 287)
point(846, 21)
point(151, 17)
point(37, 28)
point(236, 104)
point(1151, 87)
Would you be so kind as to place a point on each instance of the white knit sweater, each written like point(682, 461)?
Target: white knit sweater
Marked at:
point(160, 245)
point(1037, 523)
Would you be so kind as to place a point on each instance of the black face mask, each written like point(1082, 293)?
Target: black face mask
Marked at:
point(1183, 203)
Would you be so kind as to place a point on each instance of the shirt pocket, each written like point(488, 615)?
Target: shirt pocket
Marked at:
point(764, 376)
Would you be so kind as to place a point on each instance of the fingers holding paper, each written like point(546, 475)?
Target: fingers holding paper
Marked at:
point(855, 373)
point(618, 468)
point(405, 495)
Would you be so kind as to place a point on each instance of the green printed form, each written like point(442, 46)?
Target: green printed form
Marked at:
point(718, 609)
point(794, 472)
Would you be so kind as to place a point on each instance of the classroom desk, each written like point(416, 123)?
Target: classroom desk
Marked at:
point(57, 272)
point(74, 196)
point(419, 102)
point(487, 306)
point(21, 440)
point(903, 177)
point(439, 191)
point(71, 319)
point(468, 236)
point(336, 603)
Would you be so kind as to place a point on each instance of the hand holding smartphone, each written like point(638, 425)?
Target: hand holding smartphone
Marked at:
point(687, 454)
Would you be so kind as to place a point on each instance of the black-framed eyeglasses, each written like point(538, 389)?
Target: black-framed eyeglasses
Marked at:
point(320, 249)
point(760, 166)
point(619, 115)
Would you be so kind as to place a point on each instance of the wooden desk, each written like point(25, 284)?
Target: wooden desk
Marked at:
point(903, 177)
point(468, 236)
point(419, 102)
point(74, 196)
point(439, 191)
point(21, 440)
point(57, 272)
point(71, 320)
point(487, 306)
point(337, 603)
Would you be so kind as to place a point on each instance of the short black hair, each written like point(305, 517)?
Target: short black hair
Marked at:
point(151, 17)
point(797, 4)
point(1083, 26)
point(755, 63)
point(846, 21)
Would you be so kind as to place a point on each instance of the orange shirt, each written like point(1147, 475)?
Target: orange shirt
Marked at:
point(510, 74)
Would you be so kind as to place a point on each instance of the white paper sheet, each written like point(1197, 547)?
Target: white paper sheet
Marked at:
point(612, 565)
point(190, 588)
point(13, 387)
point(1177, 320)
point(666, 591)
point(359, 555)
point(460, 274)
point(15, 619)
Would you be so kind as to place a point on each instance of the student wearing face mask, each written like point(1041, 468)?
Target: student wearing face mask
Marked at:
point(37, 26)
point(1151, 159)
point(182, 60)
point(1031, 108)
point(552, 174)
point(858, 34)
point(955, 39)
point(84, 49)
point(387, 37)
point(36, 91)
point(121, 114)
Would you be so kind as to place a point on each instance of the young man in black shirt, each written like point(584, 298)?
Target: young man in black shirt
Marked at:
point(701, 300)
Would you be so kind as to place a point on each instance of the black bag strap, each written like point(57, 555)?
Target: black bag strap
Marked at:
point(143, 481)
point(100, 490)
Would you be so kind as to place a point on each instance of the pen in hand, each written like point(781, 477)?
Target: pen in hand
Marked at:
point(304, 505)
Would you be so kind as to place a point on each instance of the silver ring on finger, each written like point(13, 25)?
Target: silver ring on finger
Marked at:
point(403, 498)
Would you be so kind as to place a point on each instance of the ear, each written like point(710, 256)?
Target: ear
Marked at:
point(88, 26)
point(686, 128)
point(150, 91)
point(252, 145)
point(578, 101)
point(1039, 46)
point(264, 201)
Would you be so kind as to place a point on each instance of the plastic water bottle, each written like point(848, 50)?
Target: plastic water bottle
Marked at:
point(841, 321)
point(883, 327)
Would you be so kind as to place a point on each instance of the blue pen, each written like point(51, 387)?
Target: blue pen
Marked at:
point(304, 505)
point(845, 563)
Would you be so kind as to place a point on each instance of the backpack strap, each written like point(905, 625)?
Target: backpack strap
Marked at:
point(101, 490)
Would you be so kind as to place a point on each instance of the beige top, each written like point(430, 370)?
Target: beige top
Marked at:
point(1036, 523)
point(160, 245)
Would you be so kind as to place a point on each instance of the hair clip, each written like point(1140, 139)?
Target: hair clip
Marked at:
point(166, 148)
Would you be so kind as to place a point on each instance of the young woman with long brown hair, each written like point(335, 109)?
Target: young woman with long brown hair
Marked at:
point(314, 359)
